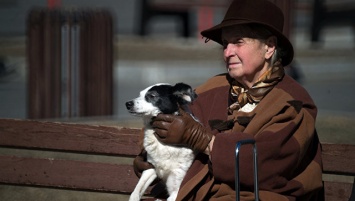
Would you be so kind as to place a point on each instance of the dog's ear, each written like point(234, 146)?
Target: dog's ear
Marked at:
point(184, 93)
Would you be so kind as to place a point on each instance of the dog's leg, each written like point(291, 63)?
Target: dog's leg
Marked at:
point(148, 176)
point(173, 183)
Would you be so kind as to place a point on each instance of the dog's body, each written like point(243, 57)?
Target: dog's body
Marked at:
point(170, 163)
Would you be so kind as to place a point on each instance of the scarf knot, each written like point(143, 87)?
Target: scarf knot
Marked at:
point(240, 96)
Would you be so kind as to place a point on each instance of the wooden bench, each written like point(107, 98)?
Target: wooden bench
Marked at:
point(120, 144)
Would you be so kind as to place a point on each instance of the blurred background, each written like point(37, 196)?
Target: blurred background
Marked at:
point(81, 60)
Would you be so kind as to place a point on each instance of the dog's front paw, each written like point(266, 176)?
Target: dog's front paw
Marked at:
point(172, 196)
point(134, 197)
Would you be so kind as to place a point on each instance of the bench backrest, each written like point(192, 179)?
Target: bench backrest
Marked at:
point(339, 162)
point(66, 173)
point(106, 176)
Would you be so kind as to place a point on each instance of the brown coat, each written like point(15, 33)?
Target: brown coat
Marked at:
point(283, 125)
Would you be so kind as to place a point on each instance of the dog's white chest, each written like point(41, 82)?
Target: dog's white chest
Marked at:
point(166, 158)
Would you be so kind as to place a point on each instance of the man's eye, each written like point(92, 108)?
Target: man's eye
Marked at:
point(234, 42)
point(238, 41)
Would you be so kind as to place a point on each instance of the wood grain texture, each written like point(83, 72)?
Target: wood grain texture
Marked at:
point(336, 191)
point(77, 175)
point(69, 137)
point(338, 159)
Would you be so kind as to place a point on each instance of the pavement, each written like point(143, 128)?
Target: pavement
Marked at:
point(326, 70)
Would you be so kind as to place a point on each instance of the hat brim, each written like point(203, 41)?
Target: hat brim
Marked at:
point(215, 34)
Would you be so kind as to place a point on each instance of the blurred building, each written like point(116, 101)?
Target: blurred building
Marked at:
point(13, 15)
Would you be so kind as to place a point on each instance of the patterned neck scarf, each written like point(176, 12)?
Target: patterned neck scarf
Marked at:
point(240, 96)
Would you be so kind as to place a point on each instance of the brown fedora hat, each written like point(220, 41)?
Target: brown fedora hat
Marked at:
point(261, 12)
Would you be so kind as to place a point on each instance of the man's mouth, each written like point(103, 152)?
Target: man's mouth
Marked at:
point(232, 64)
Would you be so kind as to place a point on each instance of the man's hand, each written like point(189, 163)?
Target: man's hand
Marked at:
point(181, 130)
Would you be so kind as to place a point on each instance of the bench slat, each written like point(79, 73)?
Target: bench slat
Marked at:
point(68, 174)
point(338, 159)
point(69, 137)
point(337, 191)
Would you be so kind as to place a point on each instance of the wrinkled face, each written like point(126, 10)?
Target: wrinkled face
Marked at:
point(246, 58)
point(152, 101)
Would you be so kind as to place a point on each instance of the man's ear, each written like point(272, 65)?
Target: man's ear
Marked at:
point(270, 46)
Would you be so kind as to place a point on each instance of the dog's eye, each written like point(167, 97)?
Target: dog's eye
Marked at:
point(151, 96)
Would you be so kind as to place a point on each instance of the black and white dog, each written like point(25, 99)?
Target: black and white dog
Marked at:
point(171, 163)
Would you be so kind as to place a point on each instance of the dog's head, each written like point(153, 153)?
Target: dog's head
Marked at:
point(161, 98)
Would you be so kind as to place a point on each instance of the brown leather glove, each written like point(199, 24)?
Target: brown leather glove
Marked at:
point(140, 163)
point(181, 130)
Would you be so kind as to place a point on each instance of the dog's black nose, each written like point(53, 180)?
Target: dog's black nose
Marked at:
point(129, 105)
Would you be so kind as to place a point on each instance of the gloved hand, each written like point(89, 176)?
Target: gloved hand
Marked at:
point(140, 163)
point(181, 130)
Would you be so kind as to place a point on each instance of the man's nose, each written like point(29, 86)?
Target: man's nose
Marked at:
point(229, 50)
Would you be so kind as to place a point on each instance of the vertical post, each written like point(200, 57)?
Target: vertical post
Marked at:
point(65, 68)
point(205, 17)
point(70, 63)
point(75, 51)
